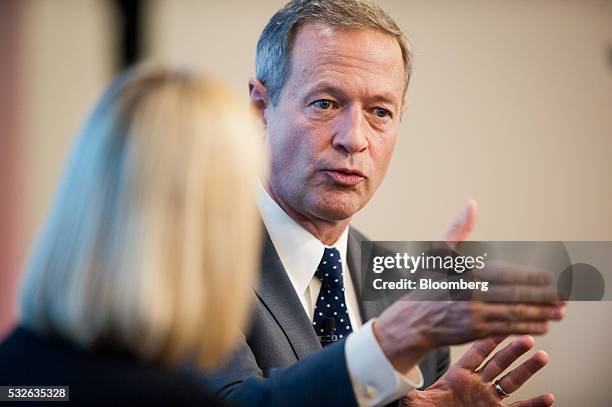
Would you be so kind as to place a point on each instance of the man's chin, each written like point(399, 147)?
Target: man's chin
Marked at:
point(337, 209)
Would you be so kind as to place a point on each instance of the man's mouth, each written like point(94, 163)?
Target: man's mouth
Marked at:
point(345, 176)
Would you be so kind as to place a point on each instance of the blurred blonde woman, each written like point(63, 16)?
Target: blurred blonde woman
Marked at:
point(148, 256)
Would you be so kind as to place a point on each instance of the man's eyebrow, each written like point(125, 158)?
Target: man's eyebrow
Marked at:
point(326, 87)
point(386, 97)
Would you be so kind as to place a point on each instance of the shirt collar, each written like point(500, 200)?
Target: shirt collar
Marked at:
point(299, 251)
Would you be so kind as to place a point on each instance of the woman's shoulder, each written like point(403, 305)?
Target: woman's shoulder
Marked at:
point(29, 359)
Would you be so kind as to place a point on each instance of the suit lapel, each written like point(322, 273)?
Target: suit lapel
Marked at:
point(367, 309)
point(278, 295)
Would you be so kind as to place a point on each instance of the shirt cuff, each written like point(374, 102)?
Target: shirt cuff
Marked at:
point(375, 381)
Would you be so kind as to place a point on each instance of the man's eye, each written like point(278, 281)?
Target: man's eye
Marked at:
point(323, 104)
point(380, 112)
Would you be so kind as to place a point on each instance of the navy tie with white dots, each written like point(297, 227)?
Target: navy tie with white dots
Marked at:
point(331, 319)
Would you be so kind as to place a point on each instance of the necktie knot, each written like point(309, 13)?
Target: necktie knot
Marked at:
point(330, 268)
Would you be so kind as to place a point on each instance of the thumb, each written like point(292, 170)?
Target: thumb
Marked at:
point(463, 224)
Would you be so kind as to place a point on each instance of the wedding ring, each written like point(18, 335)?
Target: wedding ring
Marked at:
point(500, 392)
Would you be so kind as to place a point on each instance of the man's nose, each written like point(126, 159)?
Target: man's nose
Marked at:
point(351, 131)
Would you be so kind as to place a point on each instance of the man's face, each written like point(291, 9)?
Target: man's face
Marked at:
point(332, 133)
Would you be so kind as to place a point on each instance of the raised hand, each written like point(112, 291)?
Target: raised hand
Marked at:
point(408, 329)
point(465, 384)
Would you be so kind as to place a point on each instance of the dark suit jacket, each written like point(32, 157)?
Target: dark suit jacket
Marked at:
point(95, 378)
point(282, 347)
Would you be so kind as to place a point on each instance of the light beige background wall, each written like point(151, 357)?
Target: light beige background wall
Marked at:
point(511, 105)
point(67, 62)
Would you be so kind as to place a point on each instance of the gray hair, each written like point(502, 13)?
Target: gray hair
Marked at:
point(273, 60)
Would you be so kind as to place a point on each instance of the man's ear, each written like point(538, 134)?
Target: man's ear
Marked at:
point(258, 94)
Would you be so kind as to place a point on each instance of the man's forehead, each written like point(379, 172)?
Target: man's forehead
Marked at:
point(347, 55)
point(359, 43)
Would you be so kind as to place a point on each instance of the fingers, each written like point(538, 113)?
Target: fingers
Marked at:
point(515, 379)
point(517, 293)
point(515, 328)
point(522, 312)
point(478, 352)
point(463, 224)
point(511, 319)
point(544, 400)
point(505, 357)
point(499, 272)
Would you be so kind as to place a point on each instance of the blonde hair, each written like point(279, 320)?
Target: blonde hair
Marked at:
point(153, 240)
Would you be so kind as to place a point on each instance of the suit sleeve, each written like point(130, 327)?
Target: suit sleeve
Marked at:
point(322, 375)
point(443, 359)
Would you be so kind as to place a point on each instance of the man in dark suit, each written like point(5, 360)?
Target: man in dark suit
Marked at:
point(330, 92)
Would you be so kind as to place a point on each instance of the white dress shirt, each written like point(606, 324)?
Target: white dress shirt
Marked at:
point(375, 381)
